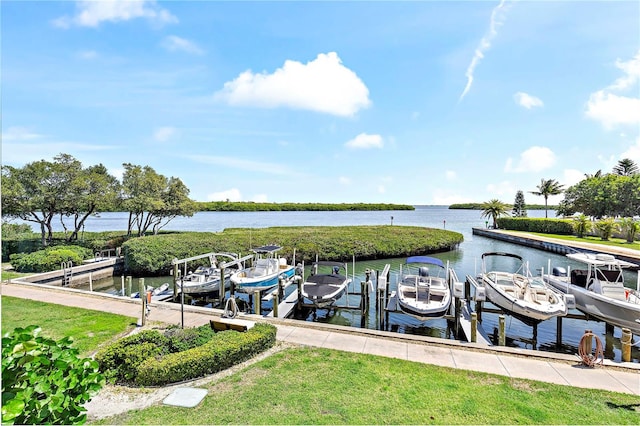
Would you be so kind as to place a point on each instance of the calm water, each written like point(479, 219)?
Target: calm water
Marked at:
point(465, 261)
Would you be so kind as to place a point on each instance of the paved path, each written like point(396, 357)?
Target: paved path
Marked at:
point(511, 362)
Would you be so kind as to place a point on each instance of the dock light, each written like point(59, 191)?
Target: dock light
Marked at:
point(391, 220)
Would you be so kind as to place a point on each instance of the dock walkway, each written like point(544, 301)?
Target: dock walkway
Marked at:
point(511, 362)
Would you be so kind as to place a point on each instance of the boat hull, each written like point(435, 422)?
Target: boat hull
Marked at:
point(615, 312)
point(250, 285)
point(419, 313)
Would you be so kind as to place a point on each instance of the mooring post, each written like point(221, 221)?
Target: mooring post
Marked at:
point(474, 327)
point(502, 339)
point(608, 328)
point(175, 281)
point(90, 281)
point(122, 293)
point(457, 316)
point(222, 290)
point(626, 345)
point(258, 302)
point(143, 297)
point(535, 336)
point(588, 344)
point(299, 302)
point(467, 290)
point(363, 300)
point(558, 332)
point(479, 310)
point(129, 279)
point(276, 302)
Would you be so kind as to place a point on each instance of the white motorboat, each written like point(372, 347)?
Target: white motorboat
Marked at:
point(421, 293)
point(520, 294)
point(268, 268)
point(327, 283)
point(599, 290)
point(205, 280)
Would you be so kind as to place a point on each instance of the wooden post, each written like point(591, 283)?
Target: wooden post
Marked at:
point(276, 302)
point(467, 290)
point(474, 327)
point(142, 292)
point(588, 346)
point(535, 336)
point(363, 300)
point(479, 310)
point(608, 328)
point(299, 302)
point(257, 303)
point(222, 290)
point(122, 293)
point(129, 279)
point(457, 317)
point(502, 338)
point(558, 332)
point(626, 345)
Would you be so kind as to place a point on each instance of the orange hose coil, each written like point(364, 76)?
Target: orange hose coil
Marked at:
point(587, 357)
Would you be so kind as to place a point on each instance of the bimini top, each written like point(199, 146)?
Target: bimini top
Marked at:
point(600, 259)
point(499, 253)
point(267, 249)
point(425, 259)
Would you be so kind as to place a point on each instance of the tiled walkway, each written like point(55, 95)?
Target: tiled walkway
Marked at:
point(516, 363)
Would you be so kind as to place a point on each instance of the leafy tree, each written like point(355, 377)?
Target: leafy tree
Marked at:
point(44, 381)
point(494, 209)
point(626, 167)
point(630, 228)
point(547, 188)
point(605, 227)
point(153, 200)
point(582, 225)
point(596, 174)
point(607, 195)
point(519, 207)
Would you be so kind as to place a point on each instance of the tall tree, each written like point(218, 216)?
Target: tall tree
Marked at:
point(547, 188)
point(626, 167)
point(494, 209)
point(153, 200)
point(519, 207)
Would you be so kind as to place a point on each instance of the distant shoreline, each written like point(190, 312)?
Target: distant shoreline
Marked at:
point(480, 206)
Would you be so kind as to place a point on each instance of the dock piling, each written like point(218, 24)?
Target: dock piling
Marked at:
point(276, 302)
point(143, 297)
point(626, 345)
point(129, 284)
point(502, 339)
point(474, 327)
point(258, 302)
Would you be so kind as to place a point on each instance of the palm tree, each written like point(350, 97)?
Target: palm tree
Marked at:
point(494, 209)
point(605, 227)
point(629, 228)
point(547, 188)
point(626, 167)
point(582, 225)
point(595, 175)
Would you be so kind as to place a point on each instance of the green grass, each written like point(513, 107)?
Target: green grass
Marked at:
point(89, 329)
point(613, 242)
point(320, 386)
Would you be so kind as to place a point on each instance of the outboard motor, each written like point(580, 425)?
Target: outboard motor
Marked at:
point(559, 271)
point(423, 271)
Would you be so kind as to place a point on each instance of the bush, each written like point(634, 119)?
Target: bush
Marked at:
point(44, 381)
point(184, 339)
point(543, 226)
point(49, 259)
point(226, 349)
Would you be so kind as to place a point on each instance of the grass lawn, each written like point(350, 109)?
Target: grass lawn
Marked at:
point(320, 386)
point(614, 242)
point(89, 329)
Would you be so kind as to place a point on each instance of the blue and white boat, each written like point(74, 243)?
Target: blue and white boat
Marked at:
point(268, 268)
point(422, 293)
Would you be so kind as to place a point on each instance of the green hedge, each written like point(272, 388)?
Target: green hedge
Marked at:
point(152, 255)
point(226, 349)
point(49, 259)
point(544, 226)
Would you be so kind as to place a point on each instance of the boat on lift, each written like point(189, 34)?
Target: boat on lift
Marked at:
point(421, 293)
point(205, 280)
point(267, 269)
point(327, 282)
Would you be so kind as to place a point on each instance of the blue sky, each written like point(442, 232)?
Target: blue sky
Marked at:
point(399, 102)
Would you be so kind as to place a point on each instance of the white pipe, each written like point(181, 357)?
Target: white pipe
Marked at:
point(90, 282)
point(122, 294)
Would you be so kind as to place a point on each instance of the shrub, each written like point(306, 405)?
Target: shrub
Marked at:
point(226, 349)
point(49, 259)
point(44, 381)
point(540, 225)
point(605, 227)
point(188, 338)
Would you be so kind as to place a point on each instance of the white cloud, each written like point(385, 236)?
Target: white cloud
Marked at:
point(92, 13)
point(232, 194)
point(117, 173)
point(498, 16)
point(571, 177)
point(344, 180)
point(534, 159)
point(23, 151)
point(365, 141)
point(502, 188)
point(19, 134)
point(611, 109)
point(243, 164)
point(163, 134)
point(633, 152)
point(451, 175)
point(527, 101)
point(323, 85)
point(178, 44)
point(445, 198)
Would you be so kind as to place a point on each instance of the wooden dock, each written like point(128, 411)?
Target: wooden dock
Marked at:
point(465, 324)
point(286, 306)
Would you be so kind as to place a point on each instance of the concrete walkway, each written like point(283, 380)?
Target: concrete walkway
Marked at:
point(512, 362)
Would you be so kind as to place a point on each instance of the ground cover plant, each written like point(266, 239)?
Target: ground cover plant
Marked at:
point(88, 328)
point(320, 386)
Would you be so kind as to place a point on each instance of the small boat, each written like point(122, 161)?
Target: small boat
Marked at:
point(421, 294)
point(327, 283)
point(267, 269)
point(520, 294)
point(205, 280)
point(599, 289)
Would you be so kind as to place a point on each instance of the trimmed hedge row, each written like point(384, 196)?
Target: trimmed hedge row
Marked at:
point(545, 226)
point(49, 259)
point(226, 349)
point(152, 255)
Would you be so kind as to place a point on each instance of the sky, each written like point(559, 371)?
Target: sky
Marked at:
point(416, 102)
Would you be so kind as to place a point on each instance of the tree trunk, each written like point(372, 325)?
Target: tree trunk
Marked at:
point(74, 235)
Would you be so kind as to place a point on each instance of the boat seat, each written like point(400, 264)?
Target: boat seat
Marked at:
point(614, 291)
